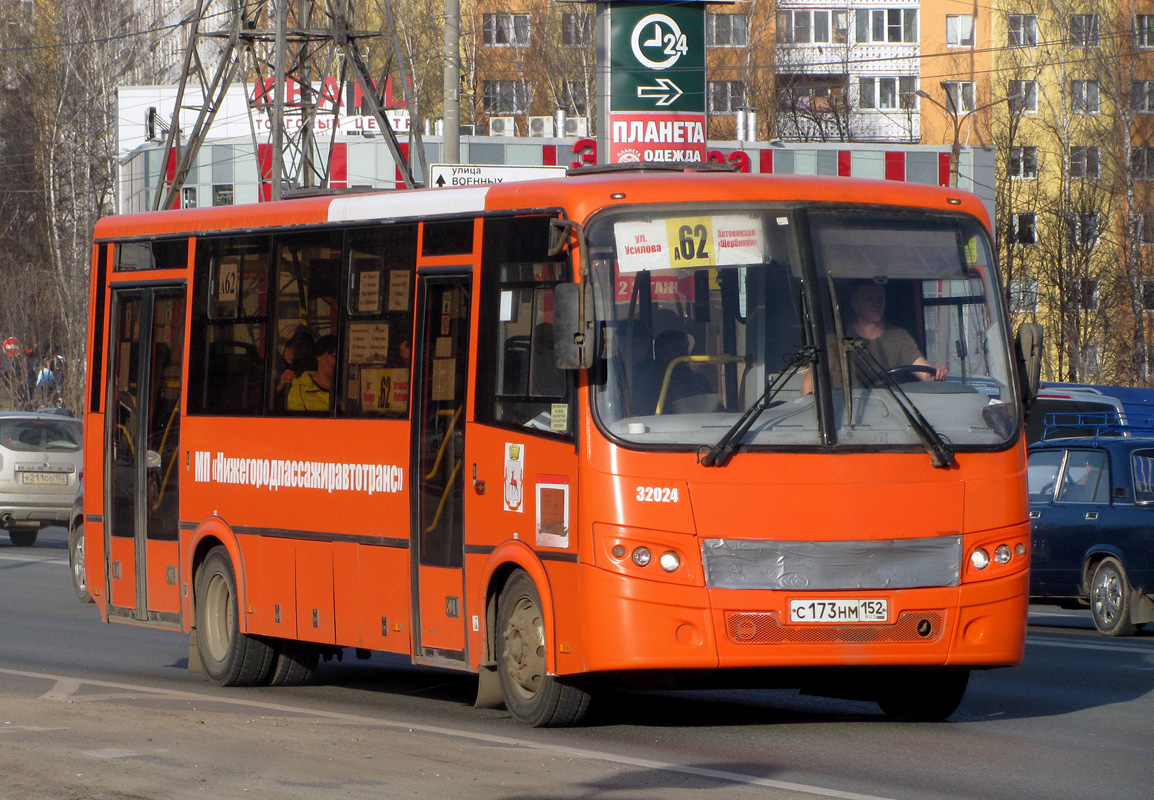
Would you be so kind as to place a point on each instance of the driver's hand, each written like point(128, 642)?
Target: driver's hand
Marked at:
point(941, 371)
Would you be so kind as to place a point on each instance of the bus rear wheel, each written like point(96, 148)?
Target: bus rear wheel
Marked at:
point(923, 696)
point(230, 658)
point(295, 663)
point(531, 695)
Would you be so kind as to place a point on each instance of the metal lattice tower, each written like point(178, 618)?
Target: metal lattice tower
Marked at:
point(273, 43)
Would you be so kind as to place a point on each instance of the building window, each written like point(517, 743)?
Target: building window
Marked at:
point(1024, 162)
point(893, 25)
point(1142, 96)
point(726, 97)
point(574, 98)
point(1084, 30)
point(1022, 30)
point(1023, 96)
point(505, 97)
point(188, 197)
point(731, 30)
point(1083, 163)
point(505, 30)
point(959, 95)
point(1148, 294)
point(1024, 229)
point(1084, 97)
point(1142, 163)
point(812, 94)
point(576, 30)
point(887, 93)
point(804, 26)
point(1144, 29)
point(1084, 230)
point(1023, 296)
point(960, 30)
point(222, 194)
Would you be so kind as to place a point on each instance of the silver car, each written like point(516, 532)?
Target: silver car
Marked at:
point(40, 461)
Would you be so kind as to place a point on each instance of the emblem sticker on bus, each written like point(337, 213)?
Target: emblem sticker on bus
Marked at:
point(656, 494)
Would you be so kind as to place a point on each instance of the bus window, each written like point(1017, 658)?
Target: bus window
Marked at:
point(163, 254)
point(379, 324)
point(229, 325)
point(525, 388)
point(695, 333)
point(308, 280)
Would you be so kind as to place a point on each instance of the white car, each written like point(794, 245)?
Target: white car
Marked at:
point(40, 462)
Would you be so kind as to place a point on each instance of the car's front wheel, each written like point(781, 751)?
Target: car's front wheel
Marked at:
point(1110, 599)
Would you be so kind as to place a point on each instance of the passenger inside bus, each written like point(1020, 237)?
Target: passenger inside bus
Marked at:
point(312, 390)
point(890, 346)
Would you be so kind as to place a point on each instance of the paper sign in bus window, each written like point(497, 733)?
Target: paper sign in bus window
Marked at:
point(369, 292)
point(399, 280)
point(368, 342)
point(552, 511)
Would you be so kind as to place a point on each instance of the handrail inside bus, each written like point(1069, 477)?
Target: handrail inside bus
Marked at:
point(445, 496)
point(720, 359)
point(445, 442)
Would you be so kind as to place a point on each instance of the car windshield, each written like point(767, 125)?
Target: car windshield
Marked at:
point(704, 311)
point(32, 435)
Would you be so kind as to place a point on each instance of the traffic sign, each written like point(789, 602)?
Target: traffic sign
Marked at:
point(657, 57)
point(442, 175)
point(12, 346)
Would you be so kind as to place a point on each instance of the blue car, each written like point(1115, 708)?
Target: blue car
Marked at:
point(1092, 512)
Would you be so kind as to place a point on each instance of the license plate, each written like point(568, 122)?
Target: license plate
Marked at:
point(46, 478)
point(839, 611)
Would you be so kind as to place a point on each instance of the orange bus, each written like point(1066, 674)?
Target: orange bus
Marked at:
point(604, 429)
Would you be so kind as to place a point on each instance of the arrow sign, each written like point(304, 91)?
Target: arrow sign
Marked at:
point(666, 91)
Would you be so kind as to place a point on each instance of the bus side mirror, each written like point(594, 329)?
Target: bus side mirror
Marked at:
point(573, 325)
point(1028, 349)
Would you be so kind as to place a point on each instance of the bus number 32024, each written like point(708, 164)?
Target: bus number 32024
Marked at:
point(656, 494)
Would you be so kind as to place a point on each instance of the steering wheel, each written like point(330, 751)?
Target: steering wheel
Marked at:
point(909, 372)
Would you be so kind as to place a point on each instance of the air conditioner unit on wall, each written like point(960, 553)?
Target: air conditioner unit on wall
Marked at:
point(502, 126)
point(540, 126)
point(576, 126)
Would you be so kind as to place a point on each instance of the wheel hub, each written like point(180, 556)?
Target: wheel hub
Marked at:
point(524, 651)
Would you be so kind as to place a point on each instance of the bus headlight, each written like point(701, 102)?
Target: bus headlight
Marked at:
point(980, 558)
point(669, 561)
point(642, 556)
point(1002, 554)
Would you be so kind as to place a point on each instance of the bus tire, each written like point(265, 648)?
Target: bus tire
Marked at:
point(230, 658)
point(295, 664)
point(929, 696)
point(1110, 599)
point(76, 563)
point(531, 695)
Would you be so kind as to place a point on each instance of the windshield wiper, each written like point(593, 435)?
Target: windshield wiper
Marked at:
point(941, 453)
point(719, 454)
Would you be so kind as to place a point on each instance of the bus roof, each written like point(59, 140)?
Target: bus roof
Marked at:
point(580, 195)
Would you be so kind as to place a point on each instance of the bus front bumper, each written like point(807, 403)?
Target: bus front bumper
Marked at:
point(659, 626)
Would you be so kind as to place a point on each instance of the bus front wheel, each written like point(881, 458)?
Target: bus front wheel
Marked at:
point(531, 695)
point(230, 658)
point(923, 696)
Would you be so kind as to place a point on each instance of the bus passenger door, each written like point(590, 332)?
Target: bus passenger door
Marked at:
point(440, 380)
point(143, 434)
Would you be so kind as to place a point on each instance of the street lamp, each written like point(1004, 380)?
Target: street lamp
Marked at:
point(958, 120)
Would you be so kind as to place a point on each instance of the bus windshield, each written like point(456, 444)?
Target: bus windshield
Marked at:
point(892, 317)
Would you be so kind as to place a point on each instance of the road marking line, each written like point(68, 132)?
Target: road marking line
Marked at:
point(1107, 648)
point(435, 730)
point(63, 690)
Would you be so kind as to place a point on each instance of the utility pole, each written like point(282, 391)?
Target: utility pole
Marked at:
point(304, 41)
point(452, 101)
